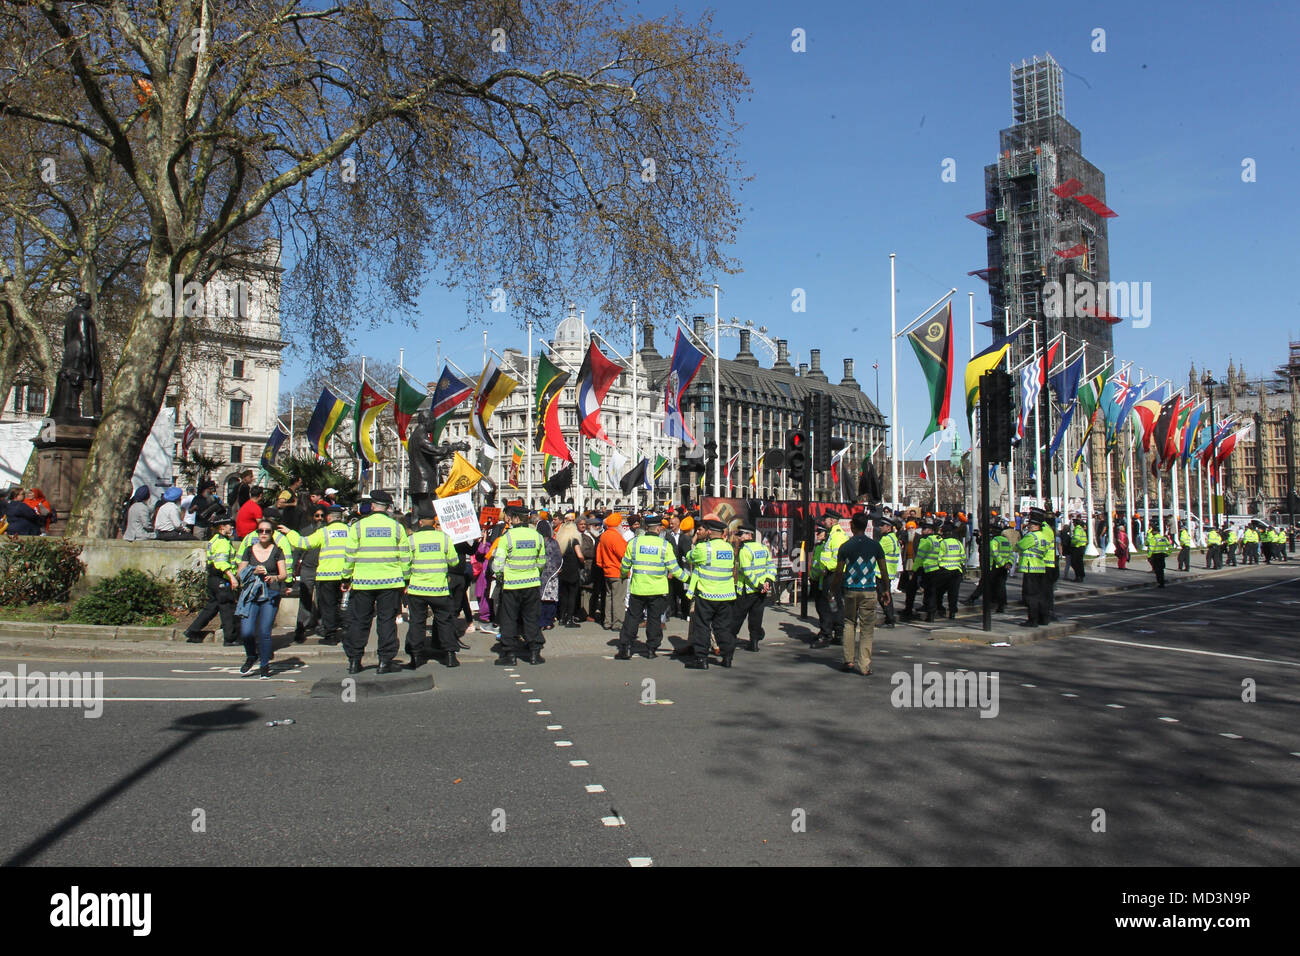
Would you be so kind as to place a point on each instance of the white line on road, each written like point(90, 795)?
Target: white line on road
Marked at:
point(578, 763)
point(640, 861)
point(78, 700)
point(1231, 736)
point(1222, 597)
point(1069, 695)
point(1116, 706)
point(196, 680)
point(543, 713)
point(613, 821)
point(534, 700)
point(564, 743)
point(1183, 650)
point(1170, 720)
point(595, 788)
point(554, 727)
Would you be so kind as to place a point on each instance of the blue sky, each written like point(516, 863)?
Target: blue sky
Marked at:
point(845, 143)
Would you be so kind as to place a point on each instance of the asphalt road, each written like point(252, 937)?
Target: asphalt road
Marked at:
point(780, 760)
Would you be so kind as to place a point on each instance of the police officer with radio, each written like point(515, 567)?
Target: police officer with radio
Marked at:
point(331, 543)
point(221, 585)
point(650, 562)
point(378, 564)
point(519, 558)
point(433, 555)
point(755, 577)
point(713, 570)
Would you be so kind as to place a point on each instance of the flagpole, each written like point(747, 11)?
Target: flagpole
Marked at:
point(934, 461)
point(893, 376)
point(1038, 441)
point(357, 411)
point(403, 504)
point(975, 459)
point(1011, 463)
point(717, 401)
point(636, 445)
point(528, 434)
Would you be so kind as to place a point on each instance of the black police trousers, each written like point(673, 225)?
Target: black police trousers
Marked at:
point(444, 620)
point(520, 619)
point(1037, 593)
point(367, 605)
point(749, 610)
point(712, 617)
point(221, 600)
point(653, 606)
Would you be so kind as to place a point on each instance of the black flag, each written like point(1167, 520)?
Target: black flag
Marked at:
point(869, 483)
point(559, 483)
point(633, 478)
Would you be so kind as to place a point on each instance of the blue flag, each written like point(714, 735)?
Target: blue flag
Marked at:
point(687, 360)
point(272, 447)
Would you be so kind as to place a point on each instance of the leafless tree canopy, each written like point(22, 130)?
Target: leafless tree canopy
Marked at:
point(551, 150)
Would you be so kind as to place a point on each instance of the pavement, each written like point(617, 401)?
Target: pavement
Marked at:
point(1169, 716)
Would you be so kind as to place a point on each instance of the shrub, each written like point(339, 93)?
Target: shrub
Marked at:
point(128, 597)
point(188, 591)
point(35, 570)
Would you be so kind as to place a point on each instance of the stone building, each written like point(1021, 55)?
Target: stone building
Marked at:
point(1255, 479)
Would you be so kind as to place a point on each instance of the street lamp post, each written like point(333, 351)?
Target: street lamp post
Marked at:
point(1288, 422)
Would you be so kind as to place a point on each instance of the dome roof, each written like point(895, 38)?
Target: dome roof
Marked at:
point(572, 331)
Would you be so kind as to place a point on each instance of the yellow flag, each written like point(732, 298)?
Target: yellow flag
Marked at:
point(463, 477)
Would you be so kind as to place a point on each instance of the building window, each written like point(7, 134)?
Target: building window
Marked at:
point(18, 397)
point(237, 368)
point(36, 399)
point(236, 454)
point(237, 413)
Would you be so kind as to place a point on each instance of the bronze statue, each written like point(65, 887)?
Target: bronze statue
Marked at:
point(426, 457)
point(80, 366)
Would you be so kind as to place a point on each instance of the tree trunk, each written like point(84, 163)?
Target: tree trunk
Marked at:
point(132, 403)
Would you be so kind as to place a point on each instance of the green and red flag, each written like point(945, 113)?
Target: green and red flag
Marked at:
point(547, 436)
point(409, 398)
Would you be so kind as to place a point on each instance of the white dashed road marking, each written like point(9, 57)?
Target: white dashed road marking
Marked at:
point(564, 743)
point(554, 727)
point(578, 763)
point(595, 788)
point(613, 821)
point(640, 861)
point(1184, 650)
point(1170, 720)
point(1231, 736)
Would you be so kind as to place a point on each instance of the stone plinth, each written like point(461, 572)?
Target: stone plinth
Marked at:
point(61, 453)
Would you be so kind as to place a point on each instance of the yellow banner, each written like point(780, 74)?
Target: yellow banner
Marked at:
point(463, 477)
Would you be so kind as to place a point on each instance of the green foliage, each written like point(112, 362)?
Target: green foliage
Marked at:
point(38, 569)
point(316, 476)
point(188, 591)
point(196, 466)
point(128, 597)
point(35, 613)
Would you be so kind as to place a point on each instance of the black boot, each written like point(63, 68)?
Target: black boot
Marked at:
point(448, 659)
point(535, 656)
point(506, 660)
point(726, 659)
point(623, 654)
point(354, 665)
point(650, 653)
point(194, 638)
point(390, 667)
point(697, 663)
point(752, 645)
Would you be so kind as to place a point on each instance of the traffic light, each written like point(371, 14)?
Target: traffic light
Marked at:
point(822, 407)
point(995, 416)
point(796, 454)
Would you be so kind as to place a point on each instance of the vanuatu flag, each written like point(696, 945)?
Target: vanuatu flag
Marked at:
point(547, 436)
point(325, 420)
point(493, 386)
point(932, 342)
point(409, 399)
point(369, 404)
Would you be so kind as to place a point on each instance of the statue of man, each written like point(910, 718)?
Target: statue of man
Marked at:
point(80, 365)
point(424, 457)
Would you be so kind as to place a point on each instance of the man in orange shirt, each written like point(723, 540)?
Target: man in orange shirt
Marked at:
point(609, 560)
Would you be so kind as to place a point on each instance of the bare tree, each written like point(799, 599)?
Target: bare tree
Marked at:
point(531, 150)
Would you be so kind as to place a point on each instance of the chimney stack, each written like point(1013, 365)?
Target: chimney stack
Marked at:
point(745, 356)
point(848, 379)
point(803, 369)
point(783, 356)
point(816, 373)
point(648, 340)
point(701, 327)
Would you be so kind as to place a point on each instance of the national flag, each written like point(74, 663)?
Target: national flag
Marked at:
point(368, 405)
point(686, 362)
point(661, 463)
point(758, 466)
point(187, 439)
point(1114, 400)
point(1145, 412)
point(559, 483)
point(1180, 431)
point(614, 463)
point(1030, 385)
point(836, 459)
point(932, 343)
point(925, 466)
point(325, 420)
point(516, 457)
point(492, 388)
point(546, 466)
point(976, 368)
point(1067, 416)
point(447, 394)
point(1065, 383)
point(1228, 444)
point(1090, 394)
point(407, 399)
point(594, 379)
point(463, 477)
point(731, 464)
point(593, 472)
point(547, 436)
point(1164, 429)
point(1216, 438)
point(273, 443)
point(635, 478)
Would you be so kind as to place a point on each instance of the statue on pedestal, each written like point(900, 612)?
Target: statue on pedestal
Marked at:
point(80, 366)
point(426, 457)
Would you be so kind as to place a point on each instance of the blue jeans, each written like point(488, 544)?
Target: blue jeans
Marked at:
point(257, 629)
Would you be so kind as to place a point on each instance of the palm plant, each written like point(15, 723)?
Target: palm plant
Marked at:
point(196, 466)
point(316, 474)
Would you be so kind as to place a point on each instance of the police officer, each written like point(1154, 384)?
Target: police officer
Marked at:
point(893, 557)
point(306, 560)
point(1250, 545)
point(713, 580)
point(1048, 532)
point(1158, 548)
point(1184, 549)
point(331, 545)
point(222, 585)
point(520, 556)
point(999, 566)
point(433, 556)
point(1033, 550)
point(378, 564)
point(951, 556)
point(755, 578)
point(651, 563)
point(832, 624)
point(1230, 544)
point(1213, 549)
point(1078, 547)
point(928, 550)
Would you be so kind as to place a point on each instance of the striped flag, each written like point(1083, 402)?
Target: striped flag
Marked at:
point(547, 435)
point(368, 406)
point(661, 463)
point(325, 420)
point(516, 457)
point(493, 386)
point(187, 439)
point(449, 393)
point(594, 379)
